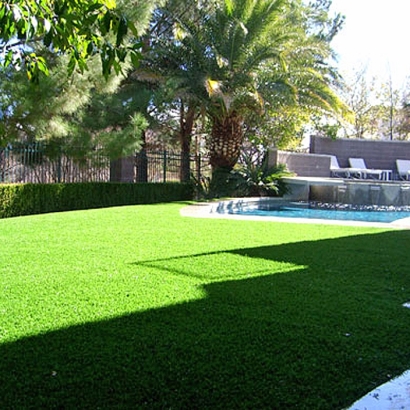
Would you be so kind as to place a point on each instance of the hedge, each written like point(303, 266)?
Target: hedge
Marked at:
point(29, 199)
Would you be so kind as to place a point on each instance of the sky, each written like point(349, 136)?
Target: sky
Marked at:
point(375, 35)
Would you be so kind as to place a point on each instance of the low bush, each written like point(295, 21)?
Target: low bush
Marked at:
point(29, 199)
point(252, 176)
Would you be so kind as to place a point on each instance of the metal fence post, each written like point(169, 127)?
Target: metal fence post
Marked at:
point(164, 167)
point(198, 167)
point(2, 164)
point(59, 165)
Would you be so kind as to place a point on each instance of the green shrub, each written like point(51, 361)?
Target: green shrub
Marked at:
point(252, 176)
point(28, 199)
point(260, 180)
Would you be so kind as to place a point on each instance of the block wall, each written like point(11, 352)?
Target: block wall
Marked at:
point(307, 165)
point(377, 154)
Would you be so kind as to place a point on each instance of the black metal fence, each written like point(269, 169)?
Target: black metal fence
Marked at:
point(40, 163)
point(167, 166)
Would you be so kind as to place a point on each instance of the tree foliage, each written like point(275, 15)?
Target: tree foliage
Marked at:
point(236, 69)
point(245, 57)
point(83, 110)
point(379, 110)
point(78, 28)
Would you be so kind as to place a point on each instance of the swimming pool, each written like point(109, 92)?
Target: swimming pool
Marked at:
point(337, 212)
point(329, 214)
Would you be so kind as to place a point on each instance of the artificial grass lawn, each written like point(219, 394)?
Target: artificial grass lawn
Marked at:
point(138, 307)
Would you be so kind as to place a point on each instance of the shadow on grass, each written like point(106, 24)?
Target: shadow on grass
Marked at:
point(314, 338)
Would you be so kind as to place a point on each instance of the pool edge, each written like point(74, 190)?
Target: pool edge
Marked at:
point(210, 210)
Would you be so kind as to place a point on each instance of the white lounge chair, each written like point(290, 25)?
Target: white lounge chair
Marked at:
point(359, 163)
point(403, 168)
point(336, 171)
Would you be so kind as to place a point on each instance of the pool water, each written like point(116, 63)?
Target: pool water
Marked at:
point(385, 216)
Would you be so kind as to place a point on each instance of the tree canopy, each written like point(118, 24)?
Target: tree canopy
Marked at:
point(79, 28)
point(230, 69)
point(82, 109)
point(235, 59)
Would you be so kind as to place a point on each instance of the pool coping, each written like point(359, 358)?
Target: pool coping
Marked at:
point(210, 210)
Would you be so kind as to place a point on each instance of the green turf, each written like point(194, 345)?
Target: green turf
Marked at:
point(138, 307)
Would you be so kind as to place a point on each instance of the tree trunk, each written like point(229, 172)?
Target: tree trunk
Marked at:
point(142, 162)
point(186, 120)
point(226, 141)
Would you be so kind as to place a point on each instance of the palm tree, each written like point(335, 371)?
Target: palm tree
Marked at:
point(168, 67)
point(249, 54)
point(236, 58)
point(250, 34)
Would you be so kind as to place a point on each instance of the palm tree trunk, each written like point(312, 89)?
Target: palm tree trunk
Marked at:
point(226, 141)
